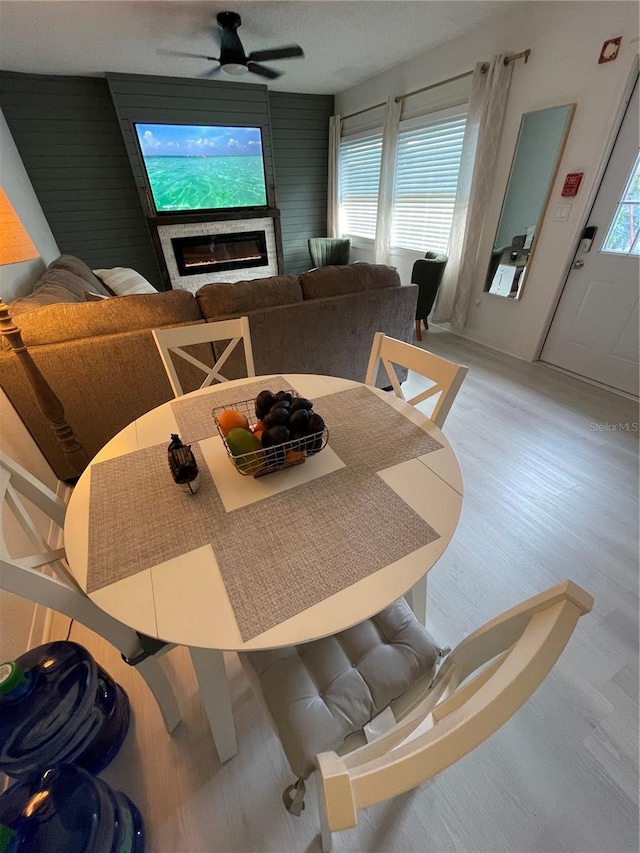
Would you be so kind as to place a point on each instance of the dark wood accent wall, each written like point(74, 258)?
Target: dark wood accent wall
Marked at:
point(183, 100)
point(300, 136)
point(75, 137)
point(66, 131)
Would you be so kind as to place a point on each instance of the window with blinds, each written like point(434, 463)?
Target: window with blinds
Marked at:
point(426, 180)
point(359, 176)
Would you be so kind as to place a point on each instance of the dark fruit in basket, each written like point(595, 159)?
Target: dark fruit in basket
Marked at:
point(299, 422)
point(316, 423)
point(281, 404)
point(264, 401)
point(275, 435)
point(273, 440)
point(301, 403)
point(284, 395)
point(277, 416)
point(315, 432)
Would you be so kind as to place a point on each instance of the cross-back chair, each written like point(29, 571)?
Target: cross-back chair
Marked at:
point(23, 576)
point(171, 341)
point(447, 376)
point(309, 691)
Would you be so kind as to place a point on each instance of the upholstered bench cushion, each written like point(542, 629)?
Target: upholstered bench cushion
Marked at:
point(319, 693)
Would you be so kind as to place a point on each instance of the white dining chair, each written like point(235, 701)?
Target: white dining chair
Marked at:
point(175, 340)
point(366, 712)
point(23, 496)
point(447, 376)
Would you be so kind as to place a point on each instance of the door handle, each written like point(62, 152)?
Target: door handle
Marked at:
point(577, 265)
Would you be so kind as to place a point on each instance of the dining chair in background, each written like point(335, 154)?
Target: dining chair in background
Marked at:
point(363, 711)
point(23, 496)
point(175, 340)
point(447, 376)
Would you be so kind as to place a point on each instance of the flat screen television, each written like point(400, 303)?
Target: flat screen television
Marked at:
point(198, 168)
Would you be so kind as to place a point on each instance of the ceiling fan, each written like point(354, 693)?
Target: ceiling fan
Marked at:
point(233, 59)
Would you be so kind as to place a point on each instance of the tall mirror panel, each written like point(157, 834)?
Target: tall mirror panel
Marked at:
point(541, 140)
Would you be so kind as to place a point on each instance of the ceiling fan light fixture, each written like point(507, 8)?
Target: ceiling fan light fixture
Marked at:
point(235, 68)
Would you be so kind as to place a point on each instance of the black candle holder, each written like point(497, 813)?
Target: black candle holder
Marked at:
point(183, 465)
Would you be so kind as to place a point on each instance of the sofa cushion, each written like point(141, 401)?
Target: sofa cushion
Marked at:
point(234, 299)
point(338, 280)
point(122, 281)
point(68, 322)
point(78, 268)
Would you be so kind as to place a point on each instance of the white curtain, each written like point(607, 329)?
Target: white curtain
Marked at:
point(485, 117)
point(333, 190)
point(387, 175)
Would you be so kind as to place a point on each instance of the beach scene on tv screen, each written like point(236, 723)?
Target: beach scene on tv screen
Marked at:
point(203, 168)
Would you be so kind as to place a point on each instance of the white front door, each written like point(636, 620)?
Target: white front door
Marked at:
point(594, 332)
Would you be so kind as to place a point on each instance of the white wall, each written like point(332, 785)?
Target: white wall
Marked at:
point(17, 279)
point(565, 40)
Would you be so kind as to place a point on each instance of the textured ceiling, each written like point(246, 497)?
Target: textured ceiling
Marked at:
point(345, 41)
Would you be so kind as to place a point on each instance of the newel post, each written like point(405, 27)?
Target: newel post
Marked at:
point(47, 401)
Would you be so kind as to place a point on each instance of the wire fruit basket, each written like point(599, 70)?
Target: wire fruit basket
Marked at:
point(267, 460)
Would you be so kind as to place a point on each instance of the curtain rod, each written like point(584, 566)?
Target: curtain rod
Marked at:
point(523, 54)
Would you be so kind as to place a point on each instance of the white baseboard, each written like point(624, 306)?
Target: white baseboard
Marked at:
point(476, 339)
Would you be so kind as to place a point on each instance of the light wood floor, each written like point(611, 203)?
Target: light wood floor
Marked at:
point(551, 492)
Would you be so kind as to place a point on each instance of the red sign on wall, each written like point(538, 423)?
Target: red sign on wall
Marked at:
point(572, 184)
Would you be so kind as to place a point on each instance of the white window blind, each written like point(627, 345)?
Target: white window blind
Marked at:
point(426, 179)
point(359, 181)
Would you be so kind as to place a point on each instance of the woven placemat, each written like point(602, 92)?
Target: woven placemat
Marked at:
point(194, 415)
point(366, 431)
point(136, 493)
point(280, 556)
point(284, 553)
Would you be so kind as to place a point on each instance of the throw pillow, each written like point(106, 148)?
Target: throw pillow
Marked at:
point(94, 297)
point(78, 268)
point(48, 294)
point(124, 281)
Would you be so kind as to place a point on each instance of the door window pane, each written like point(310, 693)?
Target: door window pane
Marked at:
point(622, 236)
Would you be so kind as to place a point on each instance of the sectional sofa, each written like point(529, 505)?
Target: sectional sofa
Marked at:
point(97, 352)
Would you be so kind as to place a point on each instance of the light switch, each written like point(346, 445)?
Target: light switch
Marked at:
point(562, 212)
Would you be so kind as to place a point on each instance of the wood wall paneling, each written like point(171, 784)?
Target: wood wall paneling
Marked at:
point(76, 138)
point(66, 131)
point(300, 131)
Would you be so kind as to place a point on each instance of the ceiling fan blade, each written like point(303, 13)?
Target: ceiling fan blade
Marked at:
point(191, 55)
point(263, 71)
point(276, 53)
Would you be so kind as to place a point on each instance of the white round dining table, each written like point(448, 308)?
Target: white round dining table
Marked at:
point(211, 597)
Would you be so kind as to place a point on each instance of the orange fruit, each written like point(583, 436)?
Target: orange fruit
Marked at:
point(230, 419)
